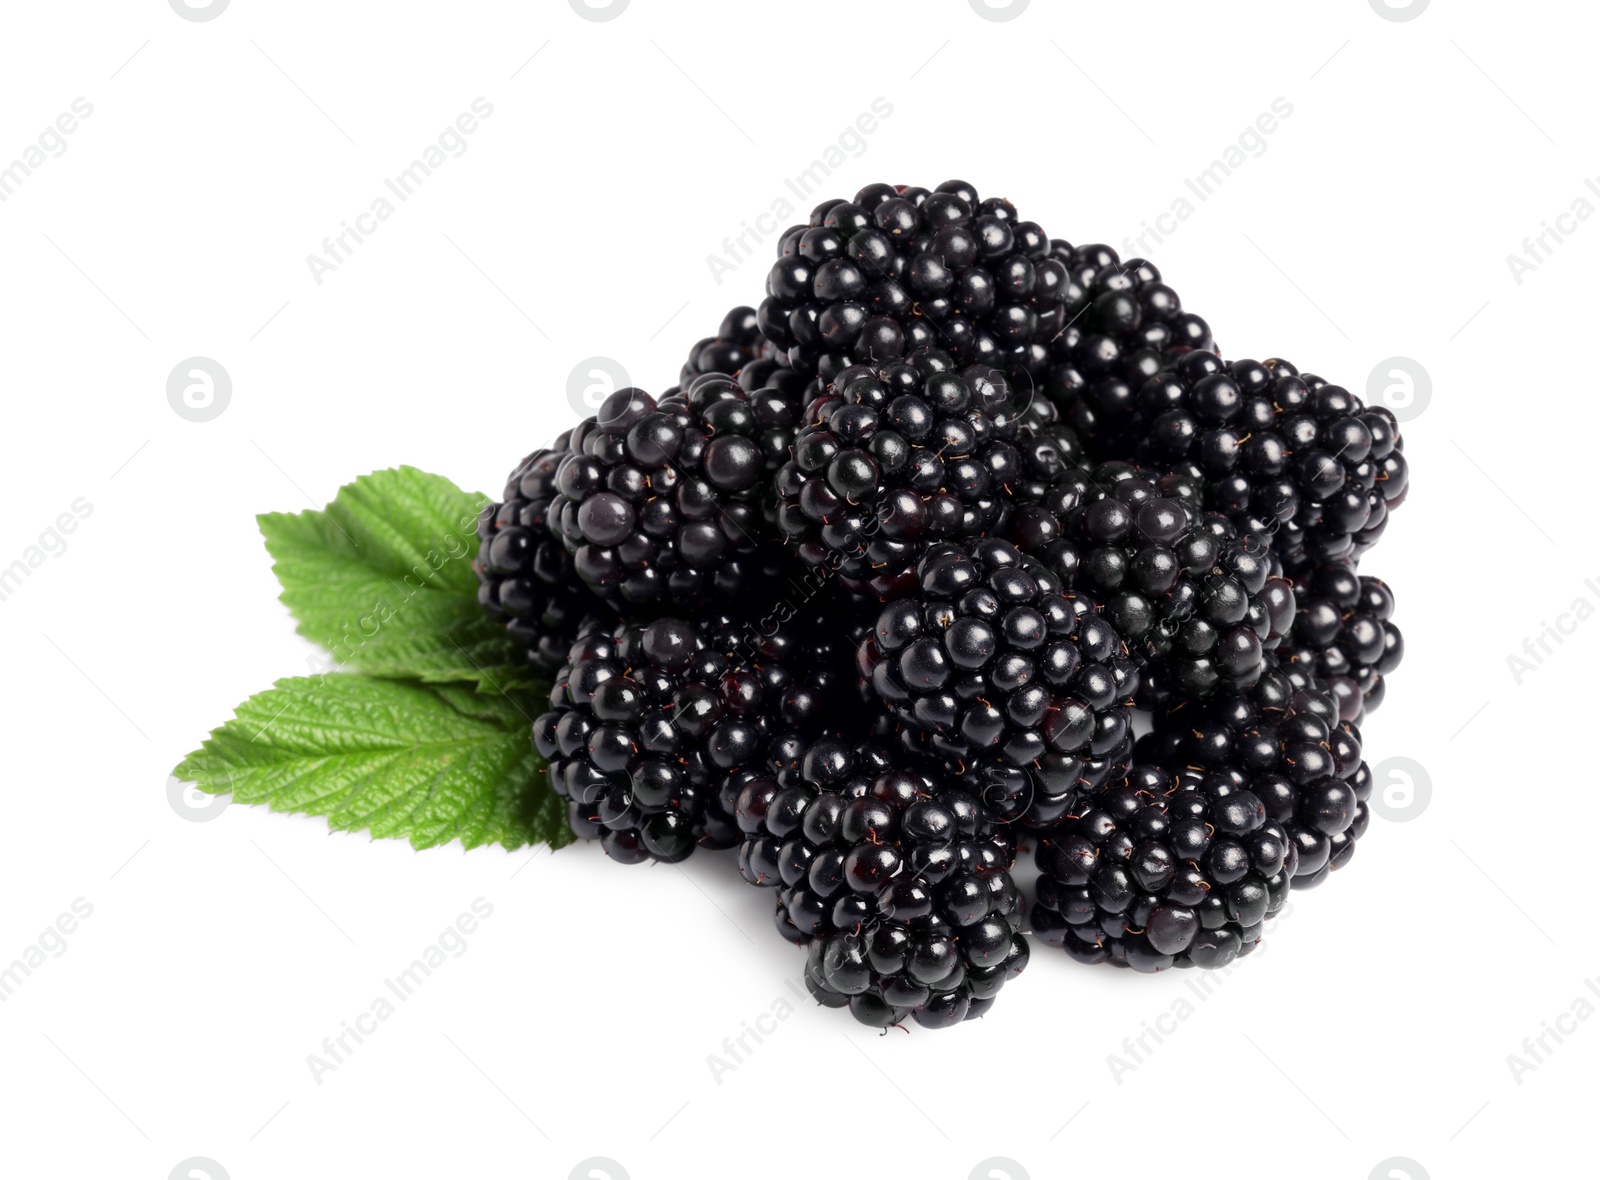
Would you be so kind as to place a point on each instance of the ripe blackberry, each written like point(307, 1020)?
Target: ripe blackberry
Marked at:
point(1292, 750)
point(525, 575)
point(1163, 868)
point(661, 502)
point(1188, 591)
point(737, 350)
point(1127, 326)
point(1232, 805)
point(1035, 798)
point(898, 270)
point(999, 670)
point(649, 721)
point(897, 878)
point(1284, 453)
point(1344, 636)
point(893, 458)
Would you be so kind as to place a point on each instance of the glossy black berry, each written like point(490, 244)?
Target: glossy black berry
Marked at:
point(656, 726)
point(1284, 453)
point(738, 350)
point(882, 277)
point(895, 458)
point(1188, 591)
point(896, 877)
point(989, 667)
point(525, 576)
point(1286, 743)
point(1345, 637)
point(662, 502)
point(1131, 326)
point(1163, 868)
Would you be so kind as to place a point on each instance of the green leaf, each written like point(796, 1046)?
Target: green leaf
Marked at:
point(383, 579)
point(428, 763)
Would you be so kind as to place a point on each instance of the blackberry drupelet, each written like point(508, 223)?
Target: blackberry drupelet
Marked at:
point(1283, 453)
point(895, 875)
point(891, 459)
point(660, 503)
point(1187, 590)
point(649, 722)
point(1344, 636)
point(1000, 671)
point(1127, 326)
point(898, 270)
point(525, 577)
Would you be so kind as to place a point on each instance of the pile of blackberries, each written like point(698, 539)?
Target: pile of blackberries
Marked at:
point(966, 541)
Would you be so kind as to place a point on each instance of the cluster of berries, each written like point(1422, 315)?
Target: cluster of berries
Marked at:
point(877, 591)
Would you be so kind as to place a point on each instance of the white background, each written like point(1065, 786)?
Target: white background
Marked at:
point(1377, 222)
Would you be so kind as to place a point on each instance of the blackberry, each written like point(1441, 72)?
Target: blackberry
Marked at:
point(898, 270)
point(650, 721)
point(1292, 750)
point(1188, 591)
point(661, 502)
point(896, 877)
point(525, 577)
point(1127, 327)
point(1284, 453)
point(1006, 677)
point(737, 350)
point(1163, 868)
point(1344, 636)
point(1232, 805)
point(891, 459)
